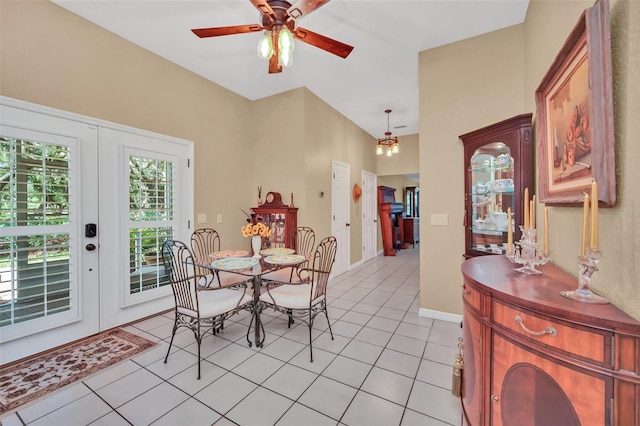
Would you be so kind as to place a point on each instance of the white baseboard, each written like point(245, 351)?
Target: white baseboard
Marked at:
point(439, 315)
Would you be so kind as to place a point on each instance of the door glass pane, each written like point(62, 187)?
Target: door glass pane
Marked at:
point(35, 220)
point(151, 214)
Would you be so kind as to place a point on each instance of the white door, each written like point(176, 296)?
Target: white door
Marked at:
point(146, 194)
point(340, 222)
point(369, 216)
point(48, 268)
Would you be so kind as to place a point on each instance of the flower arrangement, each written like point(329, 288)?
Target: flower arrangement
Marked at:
point(255, 226)
point(253, 229)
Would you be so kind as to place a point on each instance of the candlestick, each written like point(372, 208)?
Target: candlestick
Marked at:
point(585, 224)
point(526, 209)
point(533, 212)
point(594, 215)
point(546, 231)
point(509, 232)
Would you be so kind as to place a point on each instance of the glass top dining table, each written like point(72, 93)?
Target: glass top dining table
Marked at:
point(254, 268)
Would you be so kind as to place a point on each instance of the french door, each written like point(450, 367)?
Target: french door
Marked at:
point(145, 199)
point(85, 208)
point(48, 280)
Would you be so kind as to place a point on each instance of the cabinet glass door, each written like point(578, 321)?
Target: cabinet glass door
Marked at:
point(277, 239)
point(492, 193)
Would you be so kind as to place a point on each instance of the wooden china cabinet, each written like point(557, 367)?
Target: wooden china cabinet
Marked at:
point(282, 219)
point(498, 167)
point(535, 358)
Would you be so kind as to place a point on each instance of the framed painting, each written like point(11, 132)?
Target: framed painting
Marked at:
point(574, 115)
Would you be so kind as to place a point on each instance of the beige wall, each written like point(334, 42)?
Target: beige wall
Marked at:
point(284, 143)
point(298, 157)
point(463, 86)
point(476, 82)
point(405, 162)
point(547, 26)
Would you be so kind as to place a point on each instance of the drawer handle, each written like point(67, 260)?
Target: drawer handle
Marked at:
point(466, 292)
point(549, 330)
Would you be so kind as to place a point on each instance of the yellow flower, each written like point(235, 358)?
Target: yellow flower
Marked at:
point(250, 230)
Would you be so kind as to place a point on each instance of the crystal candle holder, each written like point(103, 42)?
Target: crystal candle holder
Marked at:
point(587, 265)
point(526, 253)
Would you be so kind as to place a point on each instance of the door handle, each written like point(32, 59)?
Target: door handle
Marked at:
point(348, 224)
point(90, 247)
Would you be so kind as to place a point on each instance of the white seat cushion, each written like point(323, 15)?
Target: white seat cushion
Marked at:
point(284, 275)
point(228, 278)
point(217, 302)
point(290, 296)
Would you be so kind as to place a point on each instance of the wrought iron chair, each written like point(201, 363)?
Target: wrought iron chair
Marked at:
point(201, 311)
point(204, 242)
point(305, 241)
point(305, 300)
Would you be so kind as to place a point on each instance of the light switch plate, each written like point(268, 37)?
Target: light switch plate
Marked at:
point(202, 218)
point(439, 219)
point(219, 218)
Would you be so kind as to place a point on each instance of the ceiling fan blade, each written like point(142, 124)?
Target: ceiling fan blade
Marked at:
point(222, 31)
point(324, 43)
point(304, 7)
point(274, 66)
point(264, 8)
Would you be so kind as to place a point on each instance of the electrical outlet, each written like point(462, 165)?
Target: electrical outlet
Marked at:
point(202, 218)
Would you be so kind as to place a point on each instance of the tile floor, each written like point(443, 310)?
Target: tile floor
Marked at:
point(386, 366)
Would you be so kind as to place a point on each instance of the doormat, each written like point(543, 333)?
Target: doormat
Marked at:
point(30, 378)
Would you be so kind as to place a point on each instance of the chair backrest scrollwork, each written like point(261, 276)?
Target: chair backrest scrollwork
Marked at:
point(323, 259)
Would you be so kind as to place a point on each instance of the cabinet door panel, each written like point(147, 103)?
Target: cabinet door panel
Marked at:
point(530, 390)
point(472, 374)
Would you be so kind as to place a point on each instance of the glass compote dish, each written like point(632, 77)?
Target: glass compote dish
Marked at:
point(527, 254)
point(587, 265)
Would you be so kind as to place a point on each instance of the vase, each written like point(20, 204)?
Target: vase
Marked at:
point(256, 245)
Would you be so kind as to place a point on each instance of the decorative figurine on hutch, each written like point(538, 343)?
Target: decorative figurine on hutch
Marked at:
point(259, 195)
point(589, 256)
point(527, 252)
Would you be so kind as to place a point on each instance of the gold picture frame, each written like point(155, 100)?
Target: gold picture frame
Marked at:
point(574, 115)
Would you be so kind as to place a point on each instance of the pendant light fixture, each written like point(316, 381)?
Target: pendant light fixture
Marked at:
point(388, 145)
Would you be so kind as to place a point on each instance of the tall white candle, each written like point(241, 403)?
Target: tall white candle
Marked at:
point(509, 232)
point(594, 216)
point(525, 204)
point(585, 223)
point(533, 213)
point(546, 231)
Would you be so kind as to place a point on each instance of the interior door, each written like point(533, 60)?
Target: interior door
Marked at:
point(48, 264)
point(369, 216)
point(340, 215)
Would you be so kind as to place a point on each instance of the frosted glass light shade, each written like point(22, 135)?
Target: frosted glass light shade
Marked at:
point(285, 58)
point(265, 46)
point(285, 40)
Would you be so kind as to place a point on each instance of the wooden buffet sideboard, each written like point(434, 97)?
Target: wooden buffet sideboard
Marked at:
point(535, 358)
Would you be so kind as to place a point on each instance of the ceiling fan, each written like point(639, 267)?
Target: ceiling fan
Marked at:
point(278, 21)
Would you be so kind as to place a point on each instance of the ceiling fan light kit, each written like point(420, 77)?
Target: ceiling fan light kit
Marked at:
point(278, 23)
point(388, 145)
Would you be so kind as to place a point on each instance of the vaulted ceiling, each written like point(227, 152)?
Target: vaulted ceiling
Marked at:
point(381, 73)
